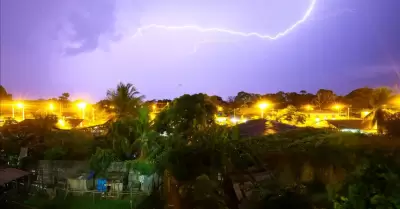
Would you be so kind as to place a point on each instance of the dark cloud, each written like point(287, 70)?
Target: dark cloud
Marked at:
point(377, 79)
point(89, 23)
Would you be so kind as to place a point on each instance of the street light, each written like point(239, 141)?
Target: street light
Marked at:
point(82, 106)
point(262, 107)
point(51, 107)
point(61, 122)
point(13, 111)
point(337, 107)
point(93, 117)
point(309, 107)
point(20, 106)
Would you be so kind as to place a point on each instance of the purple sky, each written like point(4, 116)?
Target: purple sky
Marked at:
point(87, 46)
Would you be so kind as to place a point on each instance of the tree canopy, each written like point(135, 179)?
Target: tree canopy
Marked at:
point(187, 114)
point(4, 95)
point(125, 99)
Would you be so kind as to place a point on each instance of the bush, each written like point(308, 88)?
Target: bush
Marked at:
point(55, 153)
point(375, 184)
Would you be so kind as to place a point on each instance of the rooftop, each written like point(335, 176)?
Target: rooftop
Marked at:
point(8, 175)
point(351, 124)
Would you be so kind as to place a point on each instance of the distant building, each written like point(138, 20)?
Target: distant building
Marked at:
point(320, 115)
point(13, 182)
point(356, 125)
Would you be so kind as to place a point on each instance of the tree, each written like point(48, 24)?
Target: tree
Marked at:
point(218, 101)
point(69, 141)
point(360, 98)
point(378, 116)
point(372, 185)
point(4, 95)
point(299, 100)
point(64, 99)
point(105, 105)
point(121, 136)
point(125, 99)
point(294, 99)
point(187, 114)
point(204, 165)
point(203, 193)
point(392, 125)
point(290, 115)
point(43, 124)
point(244, 99)
point(133, 137)
point(289, 197)
point(101, 160)
point(279, 99)
point(324, 98)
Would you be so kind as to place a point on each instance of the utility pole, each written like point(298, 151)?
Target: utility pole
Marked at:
point(348, 112)
point(1, 105)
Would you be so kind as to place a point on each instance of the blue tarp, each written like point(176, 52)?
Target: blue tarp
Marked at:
point(101, 185)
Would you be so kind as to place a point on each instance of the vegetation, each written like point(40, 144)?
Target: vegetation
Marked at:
point(202, 163)
point(324, 99)
point(374, 184)
point(4, 95)
point(124, 99)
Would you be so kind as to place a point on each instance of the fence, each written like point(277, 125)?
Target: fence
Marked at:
point(64, 198)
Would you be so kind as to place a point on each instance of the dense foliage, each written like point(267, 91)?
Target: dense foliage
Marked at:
point(187, 114)
point(375, 184)
point(202, 163)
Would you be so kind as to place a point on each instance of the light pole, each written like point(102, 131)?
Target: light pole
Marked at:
point(61, 115)
point(13, 111)
point(21, 106)
point(309, 107)
point(51, 108)
point(93, 118)
point(262, 107)
point(82, 106)
point(154, 107)
point(337, 107)
point(348, 112)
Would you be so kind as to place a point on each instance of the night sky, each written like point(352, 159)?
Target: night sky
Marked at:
point(85, 47)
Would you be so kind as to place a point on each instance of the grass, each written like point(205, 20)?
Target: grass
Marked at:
point(80, 202)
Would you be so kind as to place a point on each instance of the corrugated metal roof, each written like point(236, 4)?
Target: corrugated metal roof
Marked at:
point(74, 122)
point(10, 174)
point(252, 128)
point(350, 124)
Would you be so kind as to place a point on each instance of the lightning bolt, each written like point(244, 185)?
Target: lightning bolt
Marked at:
point(200, 29)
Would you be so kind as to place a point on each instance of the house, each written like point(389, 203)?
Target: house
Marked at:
point(320, 115)
point(13, 182)
point(261, 127)
point(357, 125)
point(73, 123)
point(252, 128)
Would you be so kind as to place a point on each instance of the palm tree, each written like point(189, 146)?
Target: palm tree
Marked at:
point(378, 118)
point(379, 114)
point(133, 133)
point(125, 99)
point(122, 136)
point(146, 136)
